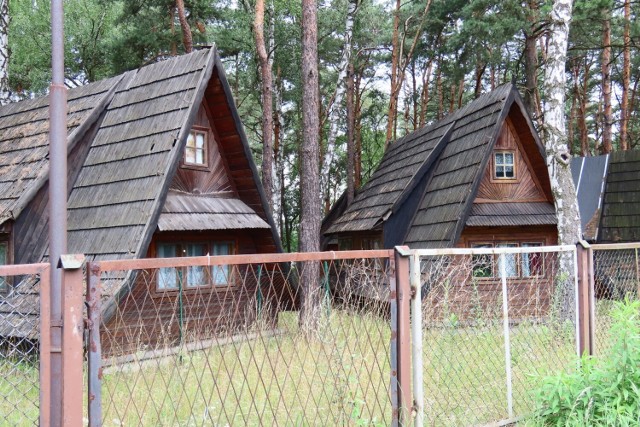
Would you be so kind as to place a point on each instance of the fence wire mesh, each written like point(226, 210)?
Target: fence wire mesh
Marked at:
point(478, 366)
point(231, 344)
point(616, 277)
point(19, 347)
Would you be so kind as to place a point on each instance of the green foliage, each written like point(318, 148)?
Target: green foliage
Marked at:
point(89, 33)
point(603, 390)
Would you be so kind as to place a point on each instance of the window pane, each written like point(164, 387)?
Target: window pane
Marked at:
point(532, 263)
point(199, 157)
point(499, 159)
point(508, 158)
point(508, 172)
point(482, 265)
point(191, 140)
point(167, 277)
point(500, 171)
point(4, 247)
point(221, 273)
point(511, 266)
point(190, 155)
point(196, 275)
point(200, 140)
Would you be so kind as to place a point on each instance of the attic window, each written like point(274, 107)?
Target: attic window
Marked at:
point(195, 152)
point(504, 165)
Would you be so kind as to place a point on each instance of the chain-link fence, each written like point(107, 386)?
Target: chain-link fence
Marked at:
point(229, 341)
point(484, 350)
point(20, 325)
point(616, 271)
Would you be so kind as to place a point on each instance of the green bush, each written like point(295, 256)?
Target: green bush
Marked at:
point(603, 390)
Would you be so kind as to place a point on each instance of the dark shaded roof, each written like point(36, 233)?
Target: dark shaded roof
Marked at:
point(589, 176)
point(511, 214)
point(620, 221)
point(189, 212)
point(24, 141)
point(424, 188)
point(401, 168)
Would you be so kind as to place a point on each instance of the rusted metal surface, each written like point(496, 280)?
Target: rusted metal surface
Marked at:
point(45, 347)
point(393, 345)
point(585, 286)
point(133, 264)
point(403, 286)
point(94, 348)
point(72, 353)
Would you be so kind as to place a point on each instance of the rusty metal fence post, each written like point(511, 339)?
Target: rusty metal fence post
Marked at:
point(72, 333)
point(586, 297)
point(94, 347)
point(403, 339)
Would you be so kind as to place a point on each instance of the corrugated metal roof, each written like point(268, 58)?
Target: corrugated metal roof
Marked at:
point(511, 214)
point(183, 212)
point(589, 176)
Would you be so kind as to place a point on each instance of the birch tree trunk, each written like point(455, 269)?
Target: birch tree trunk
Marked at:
point(310, 309)
point(267, 101)
point(4, 52)
point(626, 77)
point(351, 146)
point(557, 154)
point(335, 109)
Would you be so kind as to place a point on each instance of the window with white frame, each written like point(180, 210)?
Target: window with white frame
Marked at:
point(522, 265)
point(174, 278)
point(504, 165)
point(195, 152)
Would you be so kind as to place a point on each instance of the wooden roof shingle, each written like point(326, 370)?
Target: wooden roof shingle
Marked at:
point(440, 166)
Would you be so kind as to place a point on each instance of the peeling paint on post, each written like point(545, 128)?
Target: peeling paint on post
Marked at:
point(72, 334)
point(94, 350)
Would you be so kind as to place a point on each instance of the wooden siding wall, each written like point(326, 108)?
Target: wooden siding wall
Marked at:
point(147, 318)
point(230, 143)
point(545, 234)
point(524, 188)
point(212, 179)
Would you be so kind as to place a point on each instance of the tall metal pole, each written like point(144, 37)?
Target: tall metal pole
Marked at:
point(57, 201)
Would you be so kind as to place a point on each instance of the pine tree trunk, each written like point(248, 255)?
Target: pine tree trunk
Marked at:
point(557, 154)
point(607, 116)
point(187, 37)
point(357, 130)
point(267, 101)
point(626, 77)
point(278, 154)
point(4, 52)
point(309, 178)
point(582, 116)
point(351, 149)
point(395, 65)
point(439, 90)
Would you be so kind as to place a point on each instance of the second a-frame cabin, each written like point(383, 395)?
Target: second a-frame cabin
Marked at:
point(158, 166)
point(476, 178)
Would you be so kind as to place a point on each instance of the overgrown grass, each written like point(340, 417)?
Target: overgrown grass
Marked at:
point(19, 391)
point(605, 390)
point(339, 377)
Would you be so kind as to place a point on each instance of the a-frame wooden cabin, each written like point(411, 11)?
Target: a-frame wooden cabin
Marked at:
point(159, 166)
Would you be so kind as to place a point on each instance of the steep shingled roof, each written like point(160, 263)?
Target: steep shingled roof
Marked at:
point(24, 141)
point(447, 158)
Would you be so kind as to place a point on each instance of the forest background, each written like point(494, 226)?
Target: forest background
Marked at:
point(386, 68)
